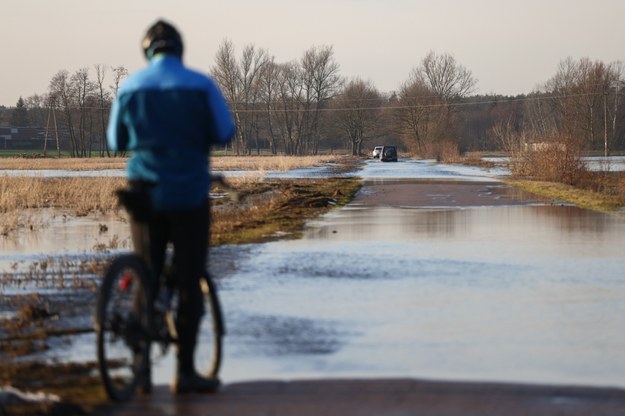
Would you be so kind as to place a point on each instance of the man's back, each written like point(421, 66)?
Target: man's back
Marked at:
point(168, 116)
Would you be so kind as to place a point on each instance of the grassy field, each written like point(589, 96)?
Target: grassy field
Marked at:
point(253, 219)
point(96, 163)
point(601, 194)
point(251, 163)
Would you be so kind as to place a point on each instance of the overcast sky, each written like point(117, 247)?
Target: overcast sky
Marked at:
point(510, 46)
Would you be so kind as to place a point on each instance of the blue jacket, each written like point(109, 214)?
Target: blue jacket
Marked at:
point(168, 116)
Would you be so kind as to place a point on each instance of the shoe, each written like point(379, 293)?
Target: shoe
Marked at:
point(194, 383)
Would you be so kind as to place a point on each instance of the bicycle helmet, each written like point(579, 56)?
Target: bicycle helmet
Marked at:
point(162, 37)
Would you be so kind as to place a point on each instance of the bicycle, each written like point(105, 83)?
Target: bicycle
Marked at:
point(129, 319)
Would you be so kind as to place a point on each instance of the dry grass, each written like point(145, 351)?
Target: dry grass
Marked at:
point(265, 163)
point(583, 197)
point(256, 163)
point(475, 159)
point(80, 195)
point(267, 208)
point(20, 197)
point(83, 195)
point(95, 163)
point(556, 169)
point(276, 209)
point(552, 164)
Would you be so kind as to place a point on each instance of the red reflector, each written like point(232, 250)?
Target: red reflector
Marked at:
point(126, 281)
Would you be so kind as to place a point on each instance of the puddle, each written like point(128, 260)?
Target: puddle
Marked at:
point(62, 236)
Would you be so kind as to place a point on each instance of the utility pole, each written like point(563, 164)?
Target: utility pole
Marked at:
point(615, 112)
point(56, 133)
point(51, 113)
point(605, 123)
point(45, 137)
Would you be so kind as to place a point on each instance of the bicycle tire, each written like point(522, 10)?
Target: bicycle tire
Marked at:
point(208, 349)
point(121, 323)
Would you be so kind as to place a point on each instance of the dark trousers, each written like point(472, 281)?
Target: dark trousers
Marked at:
point(188, 232)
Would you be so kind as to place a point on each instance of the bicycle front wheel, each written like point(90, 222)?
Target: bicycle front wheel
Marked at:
point(122, 319)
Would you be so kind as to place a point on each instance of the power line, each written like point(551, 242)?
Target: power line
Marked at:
point(386, 105)
point(392, 106)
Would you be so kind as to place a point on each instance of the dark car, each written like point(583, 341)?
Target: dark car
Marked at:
point(388, 154)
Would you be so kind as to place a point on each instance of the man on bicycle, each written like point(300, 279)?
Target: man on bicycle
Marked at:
point(168, 116)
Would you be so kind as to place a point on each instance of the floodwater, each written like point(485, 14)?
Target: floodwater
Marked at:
point(531, 293)
point(509, 292)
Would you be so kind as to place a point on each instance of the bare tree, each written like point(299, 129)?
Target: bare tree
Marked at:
point(581, 91)
point(240, 81)
point(616, 89)
point(413, 113)
point(446, 78)
point(119, 74)
point(357, 112)
point(537, 117)
point(252, 62)
point(61, 95)
point(104, 101)
point(290, 113)
point(269, 93)
point(428, 100)
point(321, 83)
point(226, 74)
point(84, 90)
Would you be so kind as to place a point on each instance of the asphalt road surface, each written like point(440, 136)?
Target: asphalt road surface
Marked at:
point(380, 397)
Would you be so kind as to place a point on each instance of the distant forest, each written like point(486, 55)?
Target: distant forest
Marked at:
point(307, 107)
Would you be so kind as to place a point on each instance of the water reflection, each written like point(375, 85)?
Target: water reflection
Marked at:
point(64, 234)
point(544, 224)
point(514, 293)
point(279, 335)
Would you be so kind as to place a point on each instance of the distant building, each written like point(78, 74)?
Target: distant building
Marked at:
point(544, 146)
point(31, 138)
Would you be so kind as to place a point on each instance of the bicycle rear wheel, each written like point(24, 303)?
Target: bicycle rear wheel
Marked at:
point(208, 349)
point(122, 319)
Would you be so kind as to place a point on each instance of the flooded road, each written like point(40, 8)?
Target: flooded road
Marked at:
point(433, 271)
point(519, 293)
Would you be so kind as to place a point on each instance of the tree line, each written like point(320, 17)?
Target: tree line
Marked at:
point(75, 103)
point(306, 106)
